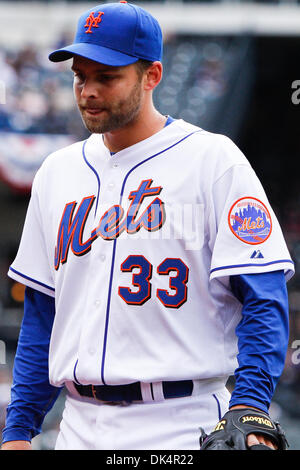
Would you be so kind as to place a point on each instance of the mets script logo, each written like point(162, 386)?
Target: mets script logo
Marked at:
point(93, 21)
point(113, 222)
point(250, 221)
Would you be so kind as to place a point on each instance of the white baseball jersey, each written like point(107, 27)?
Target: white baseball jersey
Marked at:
point(137, 249)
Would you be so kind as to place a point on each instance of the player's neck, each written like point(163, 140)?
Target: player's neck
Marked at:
point(147, 124)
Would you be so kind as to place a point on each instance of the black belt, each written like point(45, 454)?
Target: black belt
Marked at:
point(132, 392)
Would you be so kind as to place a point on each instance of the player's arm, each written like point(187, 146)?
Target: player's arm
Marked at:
point(16, 445)
point(262, 344)
point(265, 311)
point(263, 334)
point(32, 396)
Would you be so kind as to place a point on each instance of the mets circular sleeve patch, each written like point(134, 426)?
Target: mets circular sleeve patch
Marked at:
point(250, 221)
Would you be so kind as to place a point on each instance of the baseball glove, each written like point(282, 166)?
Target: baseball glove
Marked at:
point(232, 431)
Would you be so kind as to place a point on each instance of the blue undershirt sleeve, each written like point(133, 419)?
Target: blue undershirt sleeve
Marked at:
point(263, 334)
point(32, 396)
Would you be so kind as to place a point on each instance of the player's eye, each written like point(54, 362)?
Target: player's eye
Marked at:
point(106, 78)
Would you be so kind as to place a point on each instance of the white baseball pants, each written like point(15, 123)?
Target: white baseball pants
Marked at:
point(168, 424)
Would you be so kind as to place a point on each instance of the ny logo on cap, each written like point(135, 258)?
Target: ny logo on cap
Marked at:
point(91, 21)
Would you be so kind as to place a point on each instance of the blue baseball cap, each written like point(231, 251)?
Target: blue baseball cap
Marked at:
point(115, 34)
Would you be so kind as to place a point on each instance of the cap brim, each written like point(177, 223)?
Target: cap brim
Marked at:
point(93, 52)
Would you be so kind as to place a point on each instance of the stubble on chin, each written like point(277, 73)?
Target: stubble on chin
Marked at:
point(117, 116)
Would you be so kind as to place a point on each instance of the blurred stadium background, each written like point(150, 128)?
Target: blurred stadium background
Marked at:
point(230, 67)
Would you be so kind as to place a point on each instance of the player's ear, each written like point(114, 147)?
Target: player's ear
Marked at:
point(153, 76)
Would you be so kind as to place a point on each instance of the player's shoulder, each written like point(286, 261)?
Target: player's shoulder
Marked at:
point(62, 160)
point(63, 156)
point(200, 134)
point(217, 145)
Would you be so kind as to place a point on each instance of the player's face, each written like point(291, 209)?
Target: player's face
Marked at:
point(108, 98)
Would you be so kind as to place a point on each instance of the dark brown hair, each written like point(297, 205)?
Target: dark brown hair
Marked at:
point(142, 65)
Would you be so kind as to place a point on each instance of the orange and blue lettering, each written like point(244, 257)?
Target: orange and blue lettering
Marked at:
point(111, 224)
point(177, 284)
point(70, 231)
point(140, 280)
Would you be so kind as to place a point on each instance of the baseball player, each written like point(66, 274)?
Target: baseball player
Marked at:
point(154, 268)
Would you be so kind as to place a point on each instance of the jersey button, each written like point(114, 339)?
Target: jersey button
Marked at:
point(97, 303)
point(116, 165)
point(102, 257)
point(111, 186)
point(91, 351)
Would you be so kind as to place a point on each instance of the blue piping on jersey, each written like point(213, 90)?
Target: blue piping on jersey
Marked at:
point(31, 279)
point(74, 373)
point(153, 156)
point(107, 309)
point(251, 264)
point(219, 406)
point(94, 171)
point(115, 245)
